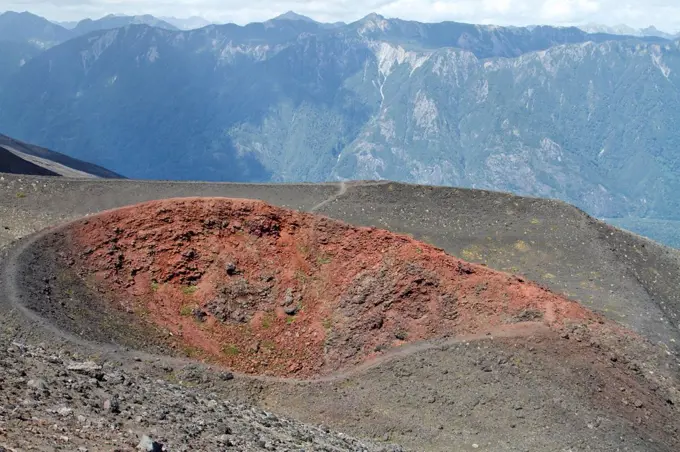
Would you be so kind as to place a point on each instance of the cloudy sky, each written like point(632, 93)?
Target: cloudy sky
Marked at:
point(665, 14)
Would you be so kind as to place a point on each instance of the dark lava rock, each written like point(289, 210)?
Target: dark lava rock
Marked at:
point(226, 376)
point(113, 405)
point(199, 314)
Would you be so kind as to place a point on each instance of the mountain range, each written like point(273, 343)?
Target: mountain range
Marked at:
point(543, 111)
point(25, 35)
point(113, 21)
point(628, 31)
point(28, 28)
point(189, 23)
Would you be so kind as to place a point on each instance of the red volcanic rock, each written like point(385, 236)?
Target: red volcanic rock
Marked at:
point(267, 290)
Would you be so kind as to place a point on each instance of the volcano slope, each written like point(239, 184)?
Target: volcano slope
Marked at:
point(552, 374)
point(17, 157)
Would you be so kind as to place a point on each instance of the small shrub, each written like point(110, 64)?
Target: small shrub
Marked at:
point(155, 286)
point(324, 259)
point(172, 378)
point(191, 351)
point(268, 344)
point(185, 311)
point(472, 253)
point(21, 194)
point(303, 249)
point(521, 245)
point(230, 350)
point(301, 276)
point(401, 335)
point(142, 310)
point(267, 320)
point(189, 290)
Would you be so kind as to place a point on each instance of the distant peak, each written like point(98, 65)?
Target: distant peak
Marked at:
point(20, 14)
point(373, 17)
point(292, 15)
point(372, 23)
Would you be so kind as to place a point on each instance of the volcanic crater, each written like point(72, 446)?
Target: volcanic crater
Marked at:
point(270, 291)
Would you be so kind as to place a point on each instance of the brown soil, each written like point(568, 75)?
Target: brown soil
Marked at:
point(277, 292)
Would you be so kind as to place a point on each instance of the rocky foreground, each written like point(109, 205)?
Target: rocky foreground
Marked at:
point(57, 400)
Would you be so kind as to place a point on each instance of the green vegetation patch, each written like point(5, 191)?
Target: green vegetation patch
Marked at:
point(189, 290)
point(230, 350)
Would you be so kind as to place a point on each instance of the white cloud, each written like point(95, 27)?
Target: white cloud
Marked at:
point(498, 6)
point(665, 14)
point(567, 10)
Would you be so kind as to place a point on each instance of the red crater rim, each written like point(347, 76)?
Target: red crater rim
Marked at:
point(271, 291)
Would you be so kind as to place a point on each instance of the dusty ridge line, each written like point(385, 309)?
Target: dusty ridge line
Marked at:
point(59, 168)
point(342, 189)
point(10, 268)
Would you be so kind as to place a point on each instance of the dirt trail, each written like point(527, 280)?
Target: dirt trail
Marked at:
point(520, 330)
point(342, 189)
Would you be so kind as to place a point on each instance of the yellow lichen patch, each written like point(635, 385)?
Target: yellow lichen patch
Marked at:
point(521, 245)
point(472, 253)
